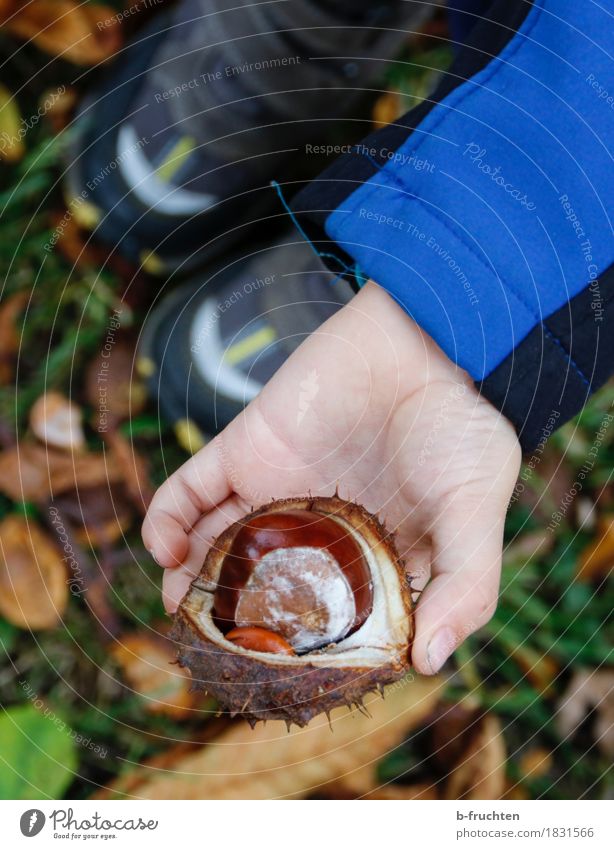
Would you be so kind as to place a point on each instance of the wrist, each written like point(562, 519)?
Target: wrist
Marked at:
point(417, 347)
point(423, 363)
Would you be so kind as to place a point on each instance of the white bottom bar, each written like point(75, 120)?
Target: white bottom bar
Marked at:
point(307, 825)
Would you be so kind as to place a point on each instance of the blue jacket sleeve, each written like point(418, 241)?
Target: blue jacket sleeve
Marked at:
point(487, 212)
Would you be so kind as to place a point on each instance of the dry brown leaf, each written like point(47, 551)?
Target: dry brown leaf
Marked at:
point(481, 773)
point(10, 310)
point(535, 763)
point(453, 730)
point(90, 578)
point(100, 515)
point(139, 487)
point(65, 28)
point(455, 733)
point(149, 664)
point(271, 762)
point(77, 246)
point(589, 689)
point(33, 585)
point(56, 420)
point(33, 472)
point(73, 244)
point(597, 560)
point(113, 382)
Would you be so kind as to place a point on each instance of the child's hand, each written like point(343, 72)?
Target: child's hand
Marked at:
point(371, 404)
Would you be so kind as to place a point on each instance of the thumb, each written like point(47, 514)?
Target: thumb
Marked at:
point(463, 592)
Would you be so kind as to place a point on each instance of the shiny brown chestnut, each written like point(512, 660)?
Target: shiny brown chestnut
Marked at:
point(297, 573)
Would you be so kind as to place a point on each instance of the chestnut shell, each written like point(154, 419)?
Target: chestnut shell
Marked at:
point(259, 685)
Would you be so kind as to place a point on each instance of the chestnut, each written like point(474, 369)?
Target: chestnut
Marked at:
point(297, 573)
point(300, 607)
point(259, 639)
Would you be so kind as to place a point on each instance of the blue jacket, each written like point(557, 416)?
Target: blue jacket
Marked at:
point(486, 212)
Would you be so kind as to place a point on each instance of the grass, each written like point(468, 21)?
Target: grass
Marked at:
point(547, 625)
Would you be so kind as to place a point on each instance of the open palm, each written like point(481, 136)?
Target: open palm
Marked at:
point(369, 405)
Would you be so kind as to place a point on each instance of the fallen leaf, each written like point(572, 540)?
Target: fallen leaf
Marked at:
point(589, 689)
point(12, 147)
point(83, 33)
point(90, 578)
point(33, 472)
point(73, 244)
point(481, 772)
point(597, 560)
point(33, 585)
point(387, 108)
point(100, 515)
point(112, 388)
point(455, 733)
point(56, 420)
point(453, 730)
point(38, 752)
point(10, 310)
point(270, 762)
point(138, 484)
point(149, 664)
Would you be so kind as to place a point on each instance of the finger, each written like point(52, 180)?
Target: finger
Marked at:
point(195, 488)
point(417, 561)
point(176, 582)
point(462, 595)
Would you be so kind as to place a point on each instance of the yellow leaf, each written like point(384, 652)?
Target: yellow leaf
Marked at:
point(12, 147)
point(597, 559)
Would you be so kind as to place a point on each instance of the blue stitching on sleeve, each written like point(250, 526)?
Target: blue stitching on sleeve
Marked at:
point(347, 269)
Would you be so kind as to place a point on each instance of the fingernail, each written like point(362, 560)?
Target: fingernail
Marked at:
point(440, 647)
point(153, 556)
